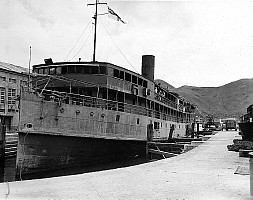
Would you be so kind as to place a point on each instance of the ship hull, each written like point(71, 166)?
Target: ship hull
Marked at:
point(45, 152)
point(246, 130)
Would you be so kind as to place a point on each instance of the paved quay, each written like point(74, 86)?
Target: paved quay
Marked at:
point(206, 172)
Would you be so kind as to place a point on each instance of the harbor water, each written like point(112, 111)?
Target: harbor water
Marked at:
point(8, 171)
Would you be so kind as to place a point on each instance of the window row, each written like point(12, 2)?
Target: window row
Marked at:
point(129, 77)
point(92, 70)
point(72, 70)
point(158, 125)
point(13, 80)
point(11, 100)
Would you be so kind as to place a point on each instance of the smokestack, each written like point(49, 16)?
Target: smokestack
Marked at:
point(148, 67)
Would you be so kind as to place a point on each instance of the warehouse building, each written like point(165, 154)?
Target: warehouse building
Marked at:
point(12, 78)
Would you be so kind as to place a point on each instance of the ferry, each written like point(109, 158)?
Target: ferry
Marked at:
point(84, 113)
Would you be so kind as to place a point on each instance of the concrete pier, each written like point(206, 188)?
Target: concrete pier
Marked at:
point(205, 172)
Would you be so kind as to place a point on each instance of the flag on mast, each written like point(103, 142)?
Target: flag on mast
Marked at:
point(114, 16)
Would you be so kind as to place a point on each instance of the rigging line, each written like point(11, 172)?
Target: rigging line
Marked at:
point(118, 47)
point(82, 46)
point(45, 85)
point(78, 39)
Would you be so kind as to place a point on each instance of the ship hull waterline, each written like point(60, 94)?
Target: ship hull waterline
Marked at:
point(44, 152)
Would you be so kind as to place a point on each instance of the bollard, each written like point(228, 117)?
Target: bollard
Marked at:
point(251, 172)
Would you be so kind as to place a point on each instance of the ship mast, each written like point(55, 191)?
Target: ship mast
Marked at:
point(95, 31)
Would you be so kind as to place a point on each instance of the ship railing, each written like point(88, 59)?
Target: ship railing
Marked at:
point(164, 116)
point(112, 105)
point(170, 103)
point(101, 103)
point(121, 106)
point(180, 107)
point(157, 114)
point(135, 109)
point(189, 110)
point(165, 101)
point(140, 110)
point(127, 108)
point(149, 113)
point(82, 100)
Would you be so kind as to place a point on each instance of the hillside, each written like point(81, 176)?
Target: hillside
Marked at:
point(230, 100)
point(164, 84)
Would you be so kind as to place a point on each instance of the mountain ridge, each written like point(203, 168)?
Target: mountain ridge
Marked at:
point(229, 100)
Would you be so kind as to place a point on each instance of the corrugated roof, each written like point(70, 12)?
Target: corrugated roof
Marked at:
point(14, 68)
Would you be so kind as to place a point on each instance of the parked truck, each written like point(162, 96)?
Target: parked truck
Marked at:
point(230, 124)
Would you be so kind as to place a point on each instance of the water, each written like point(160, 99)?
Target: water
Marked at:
point(8, 172)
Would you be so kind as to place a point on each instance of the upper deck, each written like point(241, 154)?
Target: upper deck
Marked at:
point(109, 76)
point(97, 73)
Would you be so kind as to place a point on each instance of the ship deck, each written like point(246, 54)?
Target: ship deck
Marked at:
point(206, 172)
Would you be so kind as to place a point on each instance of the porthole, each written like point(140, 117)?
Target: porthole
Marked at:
point(29, 125)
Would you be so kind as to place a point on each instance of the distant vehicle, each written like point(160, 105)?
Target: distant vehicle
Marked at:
point(230, 124)
point(217, 126)
point(211, 124)
point(223, 126)
point(210, 127)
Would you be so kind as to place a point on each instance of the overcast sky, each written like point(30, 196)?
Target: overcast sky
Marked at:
point(196, 43)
